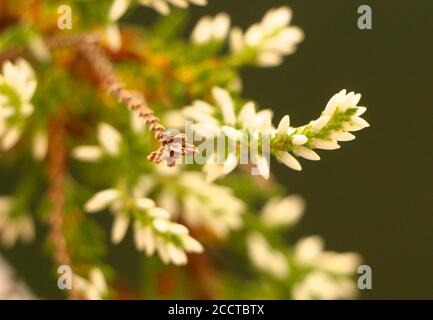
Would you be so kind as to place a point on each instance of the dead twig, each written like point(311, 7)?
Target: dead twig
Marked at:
point(173, 146)
point(57, 173)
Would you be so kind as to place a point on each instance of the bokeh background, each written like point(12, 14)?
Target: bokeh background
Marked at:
point(374, 195)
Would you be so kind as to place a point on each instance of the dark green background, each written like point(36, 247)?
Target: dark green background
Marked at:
point(372, 196)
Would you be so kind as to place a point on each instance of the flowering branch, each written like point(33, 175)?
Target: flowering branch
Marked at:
point(340, 117)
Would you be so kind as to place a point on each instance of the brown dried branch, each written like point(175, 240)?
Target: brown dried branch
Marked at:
point(57, 173)
point(172, 146)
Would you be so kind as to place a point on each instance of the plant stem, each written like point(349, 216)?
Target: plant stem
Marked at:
point(57, 173)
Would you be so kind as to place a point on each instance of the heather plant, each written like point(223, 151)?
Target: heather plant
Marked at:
point(149, 125)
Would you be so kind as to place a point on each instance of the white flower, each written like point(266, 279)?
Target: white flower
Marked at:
point(306, 153)
point(284, 126)
point(210, 29)
point(113, 38)
point(339, 263)
point(215, 170)
point(325, 144)
point(14, 227)
point(318, 124)
point(109, 139)
point(341, 114)
point(144, 238)
point(160, 238)
point(95, 288)
point(263, 166)
point(39, 49)
point(356, 124)
point(153, 230)
point(118, 9)
point(319, 285)
point(271, 39)
point(248, 118)
point(307, 250)
point(202, 113)
point(10, 138)
point(265, 258)
point(87, 153)
point(299, 139)
point(20, 77)
point(167, 199)
point(341, 136)
point(329, 276)
point(209, 205)
point(137, 123)
point(144, 185)
point(205, 115)
point(101, 200)
point(119, 228)
point(237, 128)
point(283, 212)
point(289, 160)
point(343, 101)
point(40, 145)
point(17, 87)
point(225, 102)
point(162, 5)
point(11, 287)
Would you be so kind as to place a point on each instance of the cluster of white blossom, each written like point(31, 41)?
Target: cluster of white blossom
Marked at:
point(17, 87)
point(309, 252)
point(267, 259)
point(119, 7)
point(329, 275)
point(264, 43)
point(210, 205)
point(200, 203)
point(94, 288)
point(244, 128)
point(284, 212)
point(340, 117)
point(276, 213)
point(14, 225)
point(153, 230)
point(209, 29)
point(267, 42)
point(320, 274)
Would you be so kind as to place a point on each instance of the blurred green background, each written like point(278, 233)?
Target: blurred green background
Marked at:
point(374, 195)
